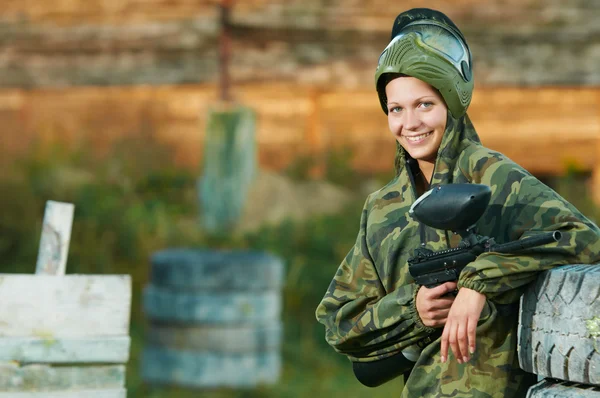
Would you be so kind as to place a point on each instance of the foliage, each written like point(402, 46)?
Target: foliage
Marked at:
point(124, 213)
point(336, 167)
point(128, 207)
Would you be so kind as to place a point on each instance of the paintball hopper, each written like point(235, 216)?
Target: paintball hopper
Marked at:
point(454, 207)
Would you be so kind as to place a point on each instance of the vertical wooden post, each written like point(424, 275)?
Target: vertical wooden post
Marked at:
point(56, 236)
point(225, 51)
point(594, 184)
point(596, 175)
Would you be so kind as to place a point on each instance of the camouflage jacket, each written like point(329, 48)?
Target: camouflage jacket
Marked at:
point(369, 309)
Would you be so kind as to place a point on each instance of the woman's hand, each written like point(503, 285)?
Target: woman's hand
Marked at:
point(434, 304)
point(461, 325)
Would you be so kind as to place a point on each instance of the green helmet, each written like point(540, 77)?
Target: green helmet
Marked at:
point(427, 45)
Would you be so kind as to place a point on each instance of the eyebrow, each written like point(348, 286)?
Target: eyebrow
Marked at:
point(420, 99)
point(425, 96)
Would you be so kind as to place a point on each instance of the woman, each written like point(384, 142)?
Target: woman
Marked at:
point(462, 344)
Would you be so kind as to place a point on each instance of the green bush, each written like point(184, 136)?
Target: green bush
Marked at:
point(128, 206)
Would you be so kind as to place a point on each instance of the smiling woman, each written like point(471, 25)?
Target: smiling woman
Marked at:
point(446, 343)
point(417, 119)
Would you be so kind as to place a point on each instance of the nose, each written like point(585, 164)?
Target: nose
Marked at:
point(411, 120)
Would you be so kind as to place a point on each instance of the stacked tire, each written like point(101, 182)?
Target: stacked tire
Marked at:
point(214, 318)
point(559, 332)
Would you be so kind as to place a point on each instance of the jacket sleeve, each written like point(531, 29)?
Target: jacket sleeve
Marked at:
point(361, 320)
point(523, 207)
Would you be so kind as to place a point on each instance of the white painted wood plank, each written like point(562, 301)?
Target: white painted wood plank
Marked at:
point(114, 393)
point(64, 350)
point(15, 378)
point(48, 307)
point(56, 236)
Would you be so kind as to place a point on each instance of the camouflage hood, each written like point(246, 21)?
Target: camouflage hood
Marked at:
point(458, 135)
point(369, 309)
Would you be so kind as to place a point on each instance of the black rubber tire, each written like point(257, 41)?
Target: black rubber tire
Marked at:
point(556, 325)
point(209, 370)
point(217, 307)
point(196, 269)
point(227, 339)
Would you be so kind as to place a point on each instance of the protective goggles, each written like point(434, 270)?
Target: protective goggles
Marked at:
point(442, 40)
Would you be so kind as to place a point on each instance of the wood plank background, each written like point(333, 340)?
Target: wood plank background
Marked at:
point(333, 42)
point(91, 73)
point(544, 129)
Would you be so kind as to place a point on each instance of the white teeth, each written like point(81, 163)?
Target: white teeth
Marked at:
point(418, 137)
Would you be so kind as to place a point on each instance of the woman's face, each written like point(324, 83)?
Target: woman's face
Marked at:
point(416, 117)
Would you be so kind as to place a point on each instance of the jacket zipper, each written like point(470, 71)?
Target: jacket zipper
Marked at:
point(411, 177)
point(409, 168)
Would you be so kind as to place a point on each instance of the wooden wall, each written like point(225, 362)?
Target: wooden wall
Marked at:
point(544, 129)
point(328, 43)
point(89, 72)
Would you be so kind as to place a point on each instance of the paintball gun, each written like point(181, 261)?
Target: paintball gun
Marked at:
point(453, 207)
point(457, 207)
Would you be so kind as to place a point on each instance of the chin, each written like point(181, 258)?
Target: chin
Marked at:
point(426, 156)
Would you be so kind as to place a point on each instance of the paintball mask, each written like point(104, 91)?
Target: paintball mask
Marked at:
point(428, 46)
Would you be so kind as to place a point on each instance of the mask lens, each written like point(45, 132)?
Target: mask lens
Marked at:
point(440, 40)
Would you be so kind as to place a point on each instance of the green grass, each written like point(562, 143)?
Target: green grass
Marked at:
point(128, 207)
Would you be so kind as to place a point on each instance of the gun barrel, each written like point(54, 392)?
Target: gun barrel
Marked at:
point(528, 243)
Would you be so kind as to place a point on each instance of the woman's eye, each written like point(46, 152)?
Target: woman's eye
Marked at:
point(395, 109)
point(426, 104)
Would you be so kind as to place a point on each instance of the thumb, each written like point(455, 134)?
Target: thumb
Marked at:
point(443, 289)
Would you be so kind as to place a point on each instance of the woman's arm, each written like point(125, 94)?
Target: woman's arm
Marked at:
point(530, 208)
point(362, 321)
point(521, 207)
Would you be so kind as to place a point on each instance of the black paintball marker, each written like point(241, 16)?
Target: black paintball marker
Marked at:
point(457, 207)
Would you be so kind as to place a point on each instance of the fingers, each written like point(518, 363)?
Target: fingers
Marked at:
point(472, 334)
point(435, 319)
point(442, 289)
point(454, 337)
point(453, 341)
point(444, 343)
point(442, 303)
point(466, 337)
point(461, 337)
point(450, 286)
point(439, 315)
point(433, 309)
point(460, 331)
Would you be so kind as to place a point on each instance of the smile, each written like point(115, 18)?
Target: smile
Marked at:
point(418, 138)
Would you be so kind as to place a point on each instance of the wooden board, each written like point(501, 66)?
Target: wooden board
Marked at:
point(51, 307)
point(65, 350)
point(15, 378)
point(56, 236)
point(321, 42)
point(544, 129)
point(113, 393)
